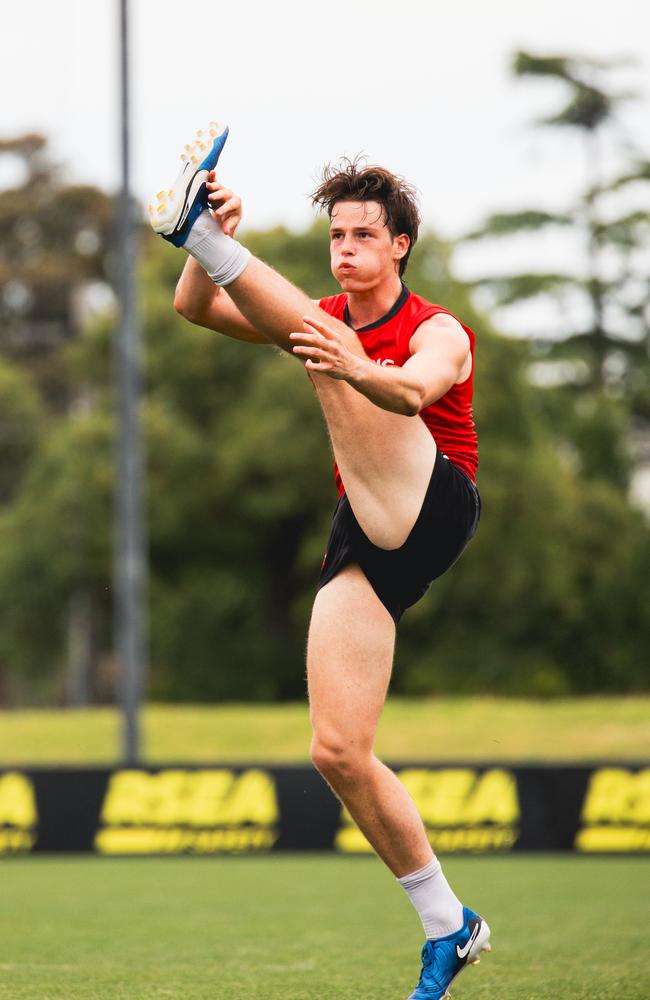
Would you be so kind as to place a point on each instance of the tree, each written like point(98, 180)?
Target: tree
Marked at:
point(56, 241)
point(21, 423)
point(600, 357)
point(239, 496)
point(54, 265)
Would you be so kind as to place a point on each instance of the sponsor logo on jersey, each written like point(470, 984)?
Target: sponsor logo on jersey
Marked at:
point(463, 810)
point(616, 812)
point(177, 811)
point(18, 813)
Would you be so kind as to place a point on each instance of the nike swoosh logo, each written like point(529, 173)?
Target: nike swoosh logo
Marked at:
point(185, 213)
point(463, 952)
point(190, 195)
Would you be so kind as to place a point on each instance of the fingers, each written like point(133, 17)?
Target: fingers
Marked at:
point(225, 205)
point(230, 207)
point(316, 352)
point(218, 193)
point(311, 322)
point(226, 200)
point(313, 349)
point(313, 355)
point(311, 340)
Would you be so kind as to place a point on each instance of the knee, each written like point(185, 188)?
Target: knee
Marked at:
point(336, 760)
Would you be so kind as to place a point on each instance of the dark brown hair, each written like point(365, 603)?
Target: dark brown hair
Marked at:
point(351, 180)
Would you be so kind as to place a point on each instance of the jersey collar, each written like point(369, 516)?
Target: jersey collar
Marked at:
point(393, 311)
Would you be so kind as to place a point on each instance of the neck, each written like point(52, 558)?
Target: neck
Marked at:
point(369, 306)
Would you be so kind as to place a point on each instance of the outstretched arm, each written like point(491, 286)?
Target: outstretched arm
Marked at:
point(440, 357)
point(197, 298)
point(202, 302)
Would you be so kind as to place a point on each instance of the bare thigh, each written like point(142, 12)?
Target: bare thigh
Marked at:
point(349, 663)
point(385, 460)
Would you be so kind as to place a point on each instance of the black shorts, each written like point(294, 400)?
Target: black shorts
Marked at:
point(448, 519)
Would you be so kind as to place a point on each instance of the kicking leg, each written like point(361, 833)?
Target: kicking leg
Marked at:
point(386, 459)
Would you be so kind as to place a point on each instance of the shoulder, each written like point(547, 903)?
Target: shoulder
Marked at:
point(437, 317)
point(426, 310)
point(427, 322)
point(438, 330)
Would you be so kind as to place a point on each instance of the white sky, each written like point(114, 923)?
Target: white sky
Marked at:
point(420, 86)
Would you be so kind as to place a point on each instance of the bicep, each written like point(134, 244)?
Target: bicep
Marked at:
point(439, 350)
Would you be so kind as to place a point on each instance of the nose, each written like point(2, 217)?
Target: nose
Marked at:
point(348, 246)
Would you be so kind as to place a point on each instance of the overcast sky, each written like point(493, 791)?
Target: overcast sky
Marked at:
point(420, 86)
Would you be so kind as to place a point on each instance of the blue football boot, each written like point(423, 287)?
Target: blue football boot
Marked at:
point(443, 958)
point(179, 207)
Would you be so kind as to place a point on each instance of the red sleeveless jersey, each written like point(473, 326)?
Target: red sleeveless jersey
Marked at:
point(387, 342)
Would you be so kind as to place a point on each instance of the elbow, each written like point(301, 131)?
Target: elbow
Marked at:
point(410, 409)
point(414, 400)
point(181, 304)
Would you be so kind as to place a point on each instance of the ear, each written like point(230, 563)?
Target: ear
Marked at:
point(401, 245)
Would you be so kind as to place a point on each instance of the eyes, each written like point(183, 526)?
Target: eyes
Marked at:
point(362, 234)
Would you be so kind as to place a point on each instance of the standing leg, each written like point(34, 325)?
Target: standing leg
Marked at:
point(349, 663)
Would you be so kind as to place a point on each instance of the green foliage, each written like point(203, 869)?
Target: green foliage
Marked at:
point(551, 597)
point(506, 223)
point(608, 374)
point(519, 287)
point(54, 538)
point(21, 419)
point(538, 625)
point(589, 105)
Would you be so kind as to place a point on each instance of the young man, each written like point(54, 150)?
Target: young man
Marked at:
point(393, 374)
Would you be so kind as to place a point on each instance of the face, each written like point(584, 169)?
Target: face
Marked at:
point(363, 251)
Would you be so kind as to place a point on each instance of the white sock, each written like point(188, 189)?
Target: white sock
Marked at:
point(223, 258)
point(439, 910)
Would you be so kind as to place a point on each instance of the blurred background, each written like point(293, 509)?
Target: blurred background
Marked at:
point(521, 684)
point(525, 129)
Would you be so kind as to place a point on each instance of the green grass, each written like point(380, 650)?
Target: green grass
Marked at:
point(587, 729)
point(304, 928)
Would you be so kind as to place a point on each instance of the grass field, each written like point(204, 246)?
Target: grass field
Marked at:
point(323, 928)
point(591, 729)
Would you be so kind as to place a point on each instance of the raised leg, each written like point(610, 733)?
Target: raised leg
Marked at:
point(276, 307)
point(386, 459)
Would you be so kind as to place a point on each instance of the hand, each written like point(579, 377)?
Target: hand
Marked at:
point(225, 205)
point(323, 350)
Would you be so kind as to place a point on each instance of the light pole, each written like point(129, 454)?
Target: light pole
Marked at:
point(129, 567)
